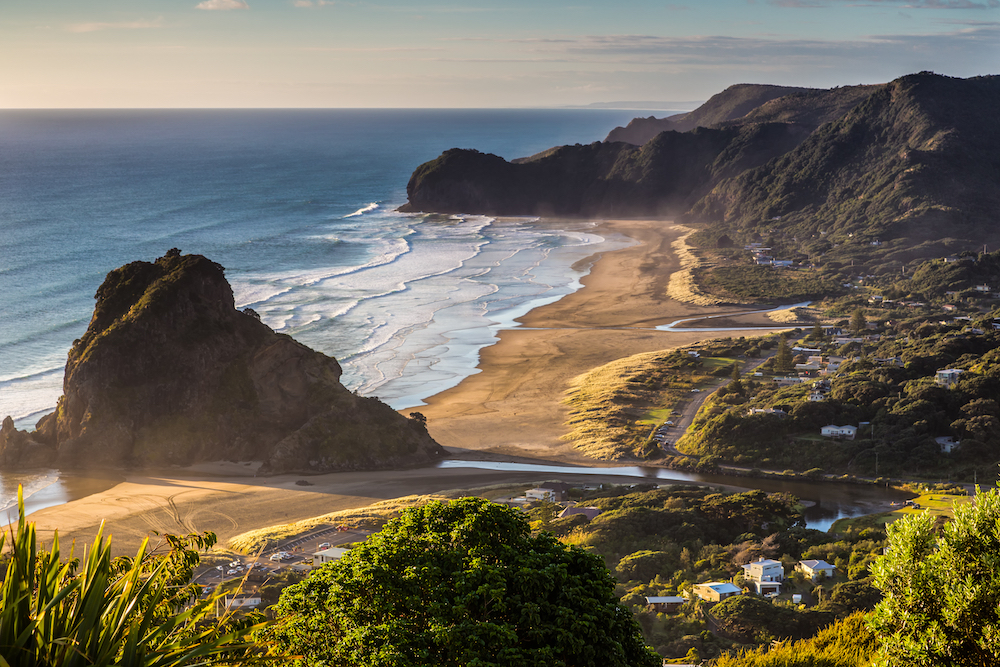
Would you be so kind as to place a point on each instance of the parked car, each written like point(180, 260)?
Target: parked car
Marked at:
point(325, 545)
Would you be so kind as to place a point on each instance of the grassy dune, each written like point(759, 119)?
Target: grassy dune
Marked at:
point(611, 405)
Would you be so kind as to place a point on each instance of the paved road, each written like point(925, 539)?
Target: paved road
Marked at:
point(690, 408)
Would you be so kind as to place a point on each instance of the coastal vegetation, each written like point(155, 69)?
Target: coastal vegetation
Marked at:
point(58, 611)
point(756, 284)
point(907, 419)
point(613, 407)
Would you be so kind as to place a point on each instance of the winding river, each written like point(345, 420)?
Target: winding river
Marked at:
point(829, 501)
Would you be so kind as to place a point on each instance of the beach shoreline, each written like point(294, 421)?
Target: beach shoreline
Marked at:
point(510, 410)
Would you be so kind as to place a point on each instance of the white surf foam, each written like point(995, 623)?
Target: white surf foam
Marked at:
point(361, 211)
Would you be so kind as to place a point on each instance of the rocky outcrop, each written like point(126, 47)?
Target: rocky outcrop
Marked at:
point(170, 372)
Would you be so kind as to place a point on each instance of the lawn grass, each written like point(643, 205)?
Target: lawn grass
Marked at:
point(934, 504)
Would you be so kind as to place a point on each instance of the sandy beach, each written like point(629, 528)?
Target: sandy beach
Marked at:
point(511, 408)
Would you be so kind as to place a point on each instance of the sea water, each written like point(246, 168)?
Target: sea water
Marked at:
point(299, 206)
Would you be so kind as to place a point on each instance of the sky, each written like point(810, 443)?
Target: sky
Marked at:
point(469, 53)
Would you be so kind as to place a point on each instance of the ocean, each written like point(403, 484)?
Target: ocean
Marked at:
point(299, 206)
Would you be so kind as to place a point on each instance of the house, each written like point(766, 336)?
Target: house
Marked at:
point(777, 412)
point(247, 602)
point(949, 308)
point(947, 377)
point(764, 570)
point(947, 443)
point(832, 431)
point(983, 288)
point(589, 512)
point(665, 604)
point(812, 568)
point(782, 263)
point(540, 495)
point(816, 397)
point(716, 591)
point(328, 556)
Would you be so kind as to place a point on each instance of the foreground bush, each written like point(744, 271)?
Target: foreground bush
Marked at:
point(128, 611)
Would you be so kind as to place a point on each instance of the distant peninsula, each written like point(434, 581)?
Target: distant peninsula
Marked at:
point(169, 372)
point(876, 176)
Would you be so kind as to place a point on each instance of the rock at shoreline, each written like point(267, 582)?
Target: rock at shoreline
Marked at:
point(170, 372)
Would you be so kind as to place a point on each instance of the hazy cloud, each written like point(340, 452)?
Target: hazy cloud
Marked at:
point(906, 4)
point(222, 5)
point(963, 45)
point(94, 26)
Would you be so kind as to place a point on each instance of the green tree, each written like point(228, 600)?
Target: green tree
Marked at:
point(783, 357)
point(941, 603)
point(460, 583)
point(817, 332)
point(858, 321)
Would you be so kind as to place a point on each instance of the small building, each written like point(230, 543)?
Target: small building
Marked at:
point(764, 569)
point(540, 495)
point(983, 288)
point(816, 397)
point(244, 602)
point(948, 444)
point(833, 431)
point(665, 604)
point(325, 556)
point(949, 308)
point(812, 568)
point(947, 377)
point(716, 591)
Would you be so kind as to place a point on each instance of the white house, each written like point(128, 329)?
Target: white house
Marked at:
point(328, 556)
point(812, 568)
point(540, 494)
point(947, 444)
point(947, 377)
point(816, 397)
point(764, 569)
point(764, 575)
point(832, 431)
point(231, 602)
point(716, 591)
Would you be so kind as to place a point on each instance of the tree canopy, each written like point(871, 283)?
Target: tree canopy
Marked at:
point(941, 604)
point(460, 583)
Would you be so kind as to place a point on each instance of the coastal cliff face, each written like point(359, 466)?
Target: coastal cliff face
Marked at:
point(663, 177)
point(169, 372)
point(888, 173)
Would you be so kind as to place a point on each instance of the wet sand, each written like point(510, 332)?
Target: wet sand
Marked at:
point(512, 408)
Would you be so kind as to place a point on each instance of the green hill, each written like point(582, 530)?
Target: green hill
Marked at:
point(915, 164)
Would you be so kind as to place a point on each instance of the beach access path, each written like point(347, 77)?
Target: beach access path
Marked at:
point(513, 408)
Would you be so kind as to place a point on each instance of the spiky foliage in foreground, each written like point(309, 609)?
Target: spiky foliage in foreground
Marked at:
point(102, 611)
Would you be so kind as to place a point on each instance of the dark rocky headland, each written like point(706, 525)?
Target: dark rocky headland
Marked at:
point(886, 174)
point(169, 372)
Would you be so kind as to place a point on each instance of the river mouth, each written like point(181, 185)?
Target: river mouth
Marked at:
point(827, 501)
